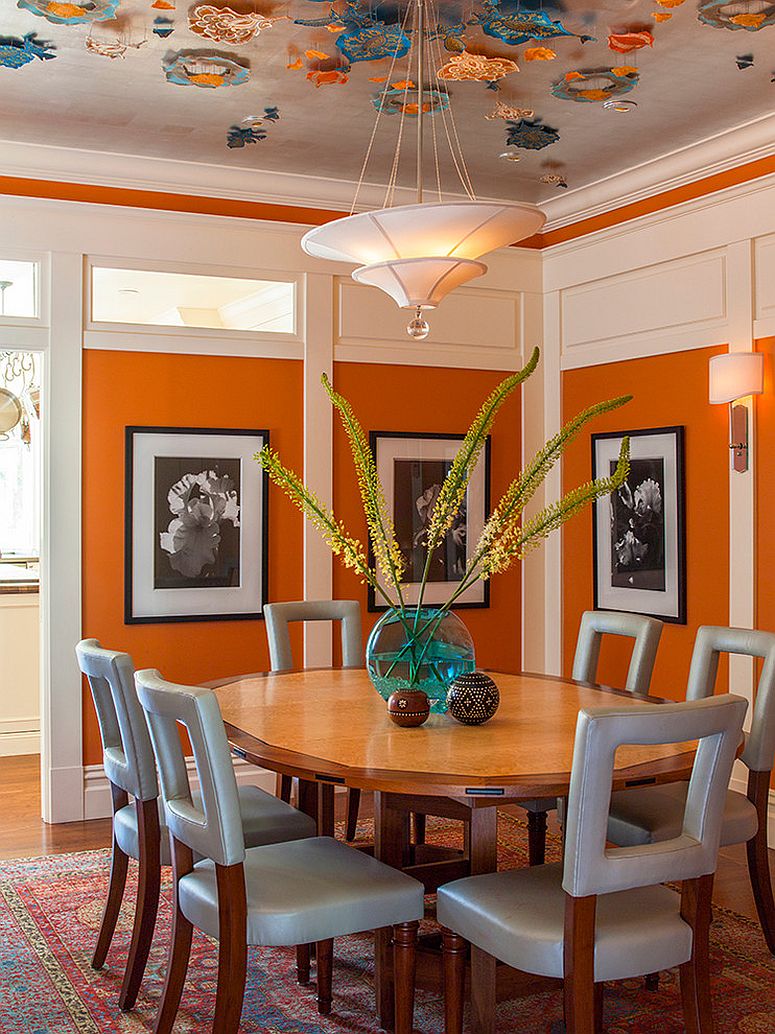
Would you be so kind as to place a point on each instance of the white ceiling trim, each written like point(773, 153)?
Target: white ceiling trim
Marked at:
point(745, 143)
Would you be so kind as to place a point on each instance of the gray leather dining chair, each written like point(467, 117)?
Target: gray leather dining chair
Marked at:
point(646, 633)
point(278, 618)
point(602, 914)
point(651, 814)
point(139, 831)
point(301, 892)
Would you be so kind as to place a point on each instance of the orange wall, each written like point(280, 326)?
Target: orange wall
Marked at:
point(403, 398)
point(667, 390)
point(123, 388)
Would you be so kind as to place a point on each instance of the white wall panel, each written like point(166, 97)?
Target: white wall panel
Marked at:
point(474, 327)
point(667, 306)
point(764, 285)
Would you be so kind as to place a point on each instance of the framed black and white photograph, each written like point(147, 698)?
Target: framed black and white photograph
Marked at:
point(196, 525)
point(412, 468)
point(639, 540)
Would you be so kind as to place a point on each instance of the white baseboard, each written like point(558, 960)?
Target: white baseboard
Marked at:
point(19, 736)
point(97, 803)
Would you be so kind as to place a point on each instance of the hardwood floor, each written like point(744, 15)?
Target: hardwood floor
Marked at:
point(24, 834)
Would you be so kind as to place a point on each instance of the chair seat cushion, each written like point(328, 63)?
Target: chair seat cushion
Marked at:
point(265, 820)
point(306, 891)
point(651, 814)
point(518, 916)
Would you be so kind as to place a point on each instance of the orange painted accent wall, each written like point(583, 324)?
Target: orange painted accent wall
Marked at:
point(403, 398)
point(124, 388)
point(670, 389)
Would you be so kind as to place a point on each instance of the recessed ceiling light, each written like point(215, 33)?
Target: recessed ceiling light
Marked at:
point(619, 105)
point(253, 120)
point(510, 156)
point(128, 290)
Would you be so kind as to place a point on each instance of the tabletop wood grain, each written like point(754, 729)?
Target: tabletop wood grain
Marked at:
point(330, 725)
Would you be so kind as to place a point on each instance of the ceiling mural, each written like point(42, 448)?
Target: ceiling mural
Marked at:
point(647, 76)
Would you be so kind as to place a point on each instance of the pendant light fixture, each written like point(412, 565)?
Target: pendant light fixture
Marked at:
point(418, 253)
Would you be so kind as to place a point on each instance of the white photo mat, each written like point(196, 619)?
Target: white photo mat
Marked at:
point(665, 444)
point(143, 602)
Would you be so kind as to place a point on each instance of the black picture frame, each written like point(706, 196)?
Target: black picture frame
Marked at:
point(244, 602)
point(662, 589)
point(482, 474)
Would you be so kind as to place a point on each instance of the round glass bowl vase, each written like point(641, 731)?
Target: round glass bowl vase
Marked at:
point(426, 653)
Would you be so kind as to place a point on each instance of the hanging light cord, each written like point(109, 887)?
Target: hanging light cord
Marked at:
point(379, 111)
point(457, 156)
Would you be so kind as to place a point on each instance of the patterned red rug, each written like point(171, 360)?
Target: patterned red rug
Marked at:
point(50, 910)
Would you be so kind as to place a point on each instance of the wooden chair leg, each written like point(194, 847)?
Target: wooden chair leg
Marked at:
point(353, 806)
point(579, 957)
point(119, 863)
point(180, 946)
point(147, 905)
point(325, 957)
point(758, 858)
point(536, 837)
point(695, 974)
point(232, 948)
point(419, 828)
point(283, 785)
point(454, 981)
point(404, 962)
point(302, 963)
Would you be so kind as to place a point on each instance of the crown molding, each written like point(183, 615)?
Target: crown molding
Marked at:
point(745, 143)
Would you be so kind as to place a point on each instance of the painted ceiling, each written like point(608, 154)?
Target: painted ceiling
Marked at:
point(296, 86)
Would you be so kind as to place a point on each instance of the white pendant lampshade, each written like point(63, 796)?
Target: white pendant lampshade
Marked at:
point(458, 229)
point(419, 283)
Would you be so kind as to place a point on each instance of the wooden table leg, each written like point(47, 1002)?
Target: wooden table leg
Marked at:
point(484, 859)
point(391, 842)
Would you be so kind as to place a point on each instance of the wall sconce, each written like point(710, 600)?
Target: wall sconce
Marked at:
point(733, 377)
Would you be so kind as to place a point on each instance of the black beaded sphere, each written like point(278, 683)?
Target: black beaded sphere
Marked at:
point(473, 698)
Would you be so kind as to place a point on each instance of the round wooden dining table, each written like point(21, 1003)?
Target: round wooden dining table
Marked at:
point(329, 728)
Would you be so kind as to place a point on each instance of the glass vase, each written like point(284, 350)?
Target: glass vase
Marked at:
point(419, 651)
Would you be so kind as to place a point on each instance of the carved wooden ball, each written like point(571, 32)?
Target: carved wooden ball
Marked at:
point(473, 698)
point(408, 707)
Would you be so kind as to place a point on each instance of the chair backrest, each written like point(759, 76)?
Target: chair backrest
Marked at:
point(591, 868)
point(711, 641)
point(278, 617)
point(597, 623)
point(127, 754)
point(214, 830)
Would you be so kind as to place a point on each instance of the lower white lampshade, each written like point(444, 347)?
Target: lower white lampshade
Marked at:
point(419, 283)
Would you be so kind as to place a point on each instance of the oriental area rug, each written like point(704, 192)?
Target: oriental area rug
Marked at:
point(50, 910)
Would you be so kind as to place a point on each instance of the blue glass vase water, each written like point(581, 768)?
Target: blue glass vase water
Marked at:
point(419, 651)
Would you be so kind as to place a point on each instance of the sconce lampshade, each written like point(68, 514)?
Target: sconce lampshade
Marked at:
point(735, 375)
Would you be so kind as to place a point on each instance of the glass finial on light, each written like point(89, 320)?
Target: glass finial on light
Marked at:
point(418, 328)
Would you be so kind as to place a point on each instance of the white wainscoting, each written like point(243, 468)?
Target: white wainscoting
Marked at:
point(19, 674)
point(666, 307)
point(764, 285)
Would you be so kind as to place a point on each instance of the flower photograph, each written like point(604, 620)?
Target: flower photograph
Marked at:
point(638, 527)
point(416, 488)
point(197, 522)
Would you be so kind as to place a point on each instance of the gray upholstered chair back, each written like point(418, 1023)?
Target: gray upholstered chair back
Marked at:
point(591, 868)
point(127, 754)
point(213, 830)
point(597, 623)
point(710, 643)
point(278, 617)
